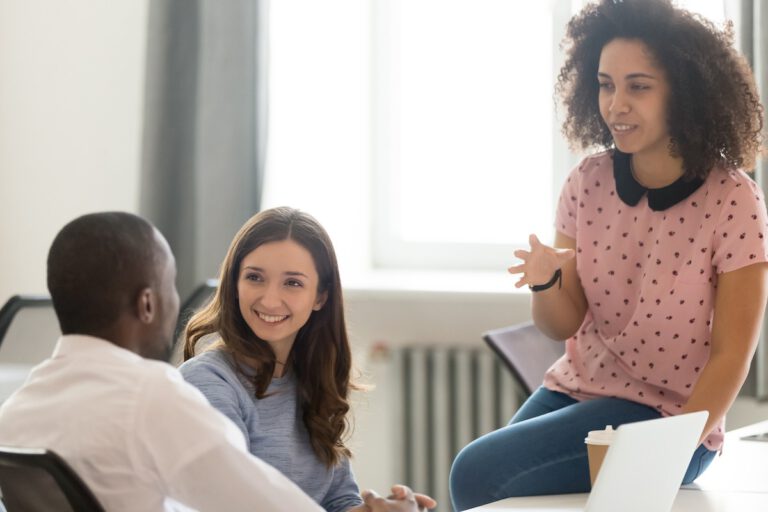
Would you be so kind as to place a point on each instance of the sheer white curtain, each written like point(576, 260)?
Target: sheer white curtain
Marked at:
point(205, 127)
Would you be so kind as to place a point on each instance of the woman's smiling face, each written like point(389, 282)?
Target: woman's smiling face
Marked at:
point(633, 97)
point(277, 292)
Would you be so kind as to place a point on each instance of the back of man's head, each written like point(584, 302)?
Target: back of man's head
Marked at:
point(97, 265)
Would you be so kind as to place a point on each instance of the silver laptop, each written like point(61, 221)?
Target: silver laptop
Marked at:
point(760, 436)
point(645, 464)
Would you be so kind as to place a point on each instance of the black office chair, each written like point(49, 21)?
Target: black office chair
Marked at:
point(526, 351)
point(196, 300)
point(38, 480)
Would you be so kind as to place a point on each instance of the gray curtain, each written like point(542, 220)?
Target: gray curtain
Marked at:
point(751, 19)
point(205, 126)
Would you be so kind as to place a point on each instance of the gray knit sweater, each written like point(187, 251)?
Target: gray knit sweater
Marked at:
point(273, 428)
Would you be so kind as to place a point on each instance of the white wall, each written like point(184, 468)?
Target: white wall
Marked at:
point(71, 101)
point(380, 320)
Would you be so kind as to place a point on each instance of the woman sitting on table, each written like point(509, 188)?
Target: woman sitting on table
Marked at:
point(657, 276)
point(280, 368)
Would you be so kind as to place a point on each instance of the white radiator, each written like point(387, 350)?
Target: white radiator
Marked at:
point(448, 397)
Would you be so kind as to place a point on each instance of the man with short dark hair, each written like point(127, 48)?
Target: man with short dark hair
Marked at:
point(111, 275)
point(139, 436)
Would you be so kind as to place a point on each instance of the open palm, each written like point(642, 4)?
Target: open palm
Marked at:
point(540, 263)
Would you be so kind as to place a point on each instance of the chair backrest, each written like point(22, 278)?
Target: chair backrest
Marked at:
point(197, 299)
point(28, 333)
point(38, 480)
point(526, 351)
point(28, 329)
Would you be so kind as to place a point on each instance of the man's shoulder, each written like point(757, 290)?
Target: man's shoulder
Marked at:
point(167, 394)
point(163, 379)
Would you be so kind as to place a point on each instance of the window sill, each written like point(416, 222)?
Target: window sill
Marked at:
point(416, 282)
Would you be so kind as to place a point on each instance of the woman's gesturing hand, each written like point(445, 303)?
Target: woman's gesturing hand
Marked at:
point(540, 263)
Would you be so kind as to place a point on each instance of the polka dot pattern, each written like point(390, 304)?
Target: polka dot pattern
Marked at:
point(650, 279)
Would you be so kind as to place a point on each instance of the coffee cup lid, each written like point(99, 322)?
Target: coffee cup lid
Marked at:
point(603, 437)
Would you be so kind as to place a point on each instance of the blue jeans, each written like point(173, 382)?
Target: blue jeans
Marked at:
point(542, 450)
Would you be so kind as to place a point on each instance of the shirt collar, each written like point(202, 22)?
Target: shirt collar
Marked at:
point(631, 191)
point(77, 344)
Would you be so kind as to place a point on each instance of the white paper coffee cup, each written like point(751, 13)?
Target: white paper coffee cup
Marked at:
point(598, 442)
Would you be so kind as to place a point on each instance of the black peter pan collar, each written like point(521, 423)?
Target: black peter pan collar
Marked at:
point(631, 191)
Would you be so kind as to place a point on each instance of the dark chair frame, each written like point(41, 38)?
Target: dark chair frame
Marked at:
point(16, 304)
point(198, 297)
point(76, 492)
point(526, 351)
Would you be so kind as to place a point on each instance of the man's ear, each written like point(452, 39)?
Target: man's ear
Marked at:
point(320, 301)
point(146, 305)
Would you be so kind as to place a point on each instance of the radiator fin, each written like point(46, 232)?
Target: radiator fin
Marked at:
point(449, 396)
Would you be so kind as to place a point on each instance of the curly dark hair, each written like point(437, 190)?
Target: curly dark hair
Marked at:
point(321, 358)
point(714, 114)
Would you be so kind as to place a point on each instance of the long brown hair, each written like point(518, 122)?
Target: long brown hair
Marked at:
point(320, 358)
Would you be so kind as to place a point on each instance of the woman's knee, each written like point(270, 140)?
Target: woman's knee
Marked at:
point(465, 480)
point(476, 470)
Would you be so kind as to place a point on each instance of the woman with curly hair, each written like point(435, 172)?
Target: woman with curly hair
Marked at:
point(280, 362)
point(657, 276)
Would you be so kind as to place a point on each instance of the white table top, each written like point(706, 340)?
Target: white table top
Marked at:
point(736, 481)
point(742, 467)
point(688, 500)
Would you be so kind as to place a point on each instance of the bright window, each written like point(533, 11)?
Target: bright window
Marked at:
point(463, 130)
point(421, 133)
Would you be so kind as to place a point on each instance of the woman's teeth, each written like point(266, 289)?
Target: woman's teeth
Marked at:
point(272, 319)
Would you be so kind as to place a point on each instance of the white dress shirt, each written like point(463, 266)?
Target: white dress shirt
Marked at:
point(139, 436)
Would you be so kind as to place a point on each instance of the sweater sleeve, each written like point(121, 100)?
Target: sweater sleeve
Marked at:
point(216, 384)
point(343, 493)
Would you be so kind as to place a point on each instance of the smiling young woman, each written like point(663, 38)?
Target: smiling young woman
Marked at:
point(281, 366)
